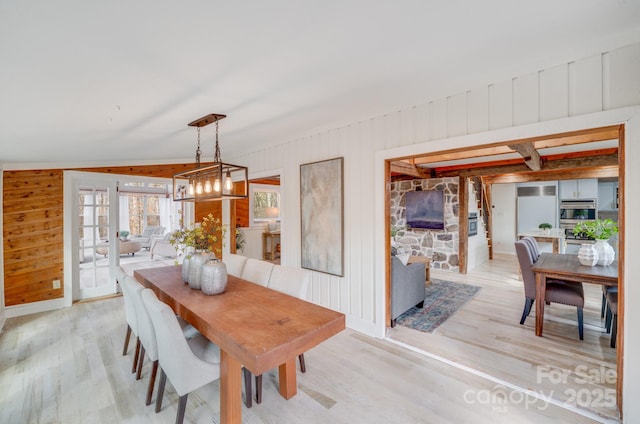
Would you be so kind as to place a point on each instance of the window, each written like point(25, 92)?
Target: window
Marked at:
point(264, 203)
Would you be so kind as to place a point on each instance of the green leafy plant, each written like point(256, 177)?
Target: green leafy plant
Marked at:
point(123, 234)
point(240, 240)
point(599, 229)
point(545, 226)
point(202, 236)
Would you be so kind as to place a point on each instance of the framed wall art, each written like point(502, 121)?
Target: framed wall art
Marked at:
point(322, 216)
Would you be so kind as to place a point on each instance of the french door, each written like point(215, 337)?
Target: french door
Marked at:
point(90, 226)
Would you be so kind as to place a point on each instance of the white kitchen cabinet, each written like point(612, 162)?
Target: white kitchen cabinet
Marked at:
point(586, 188)
point(607, 196)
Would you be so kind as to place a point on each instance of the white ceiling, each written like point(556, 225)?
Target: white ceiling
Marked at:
point(109, 81)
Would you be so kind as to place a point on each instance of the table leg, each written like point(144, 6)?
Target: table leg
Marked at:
point(287, 377)
point(230, 389)
point(541, 288)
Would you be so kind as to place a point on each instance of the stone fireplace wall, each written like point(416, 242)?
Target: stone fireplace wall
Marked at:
point(439, 245)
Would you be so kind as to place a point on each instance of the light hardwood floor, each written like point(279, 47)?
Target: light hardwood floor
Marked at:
point(66, 366)
point(487, 337)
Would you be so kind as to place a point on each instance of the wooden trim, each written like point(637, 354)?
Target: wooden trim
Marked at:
point(387, 241)
point(621, 259)
point(550, 140)
point(463, 224)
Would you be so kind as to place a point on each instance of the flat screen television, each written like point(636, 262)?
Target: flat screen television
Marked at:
point(425, 209)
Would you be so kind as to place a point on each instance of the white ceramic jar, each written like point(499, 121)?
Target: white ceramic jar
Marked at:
point(213, 277)
point(587, 255)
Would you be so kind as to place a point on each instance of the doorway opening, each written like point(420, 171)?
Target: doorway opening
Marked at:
point(579, 154)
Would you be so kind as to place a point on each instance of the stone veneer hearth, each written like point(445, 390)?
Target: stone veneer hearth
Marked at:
point(439, 245)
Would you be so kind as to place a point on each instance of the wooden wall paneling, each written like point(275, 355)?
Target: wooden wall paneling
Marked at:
point(554, 93)
point(624, 77)
point(391, 130)
point(457, 115)
point(32, 235)
point(346, 141)
point(525, 99)
point(406, 126)
point(357, 134)
point(369, 145)
point(478, 110)
point(161, 171)
point(438, 119)
point(501, 105)
point(363, 140)
point(338, 147)
point(421, 123)
point(585, 86)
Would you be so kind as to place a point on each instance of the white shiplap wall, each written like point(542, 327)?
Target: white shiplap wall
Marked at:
point(605, 82)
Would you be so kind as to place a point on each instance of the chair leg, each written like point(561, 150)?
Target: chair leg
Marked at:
point(303, 368)
point(163, 380)
point(259, 388)
point(152, 381)
point(604, 304)
point(393, 323)
point(580, 321)
point(182, 406)
point(135, 358)
point(248, 396)
point(527, 309)
point(140, 361)
point(607, 318)
point(126, 341)
point(614, 330)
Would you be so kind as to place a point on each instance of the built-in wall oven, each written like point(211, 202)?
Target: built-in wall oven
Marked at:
point(473, 224)
point(574, 211)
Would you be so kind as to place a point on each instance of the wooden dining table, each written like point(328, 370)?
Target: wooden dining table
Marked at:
point(253, 326)
point(567, 267)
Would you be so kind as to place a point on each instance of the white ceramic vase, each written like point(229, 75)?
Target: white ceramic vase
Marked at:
point(185, 268)
point(587, 255)
point(606, 254)
point(213, 277)
point(195, 267)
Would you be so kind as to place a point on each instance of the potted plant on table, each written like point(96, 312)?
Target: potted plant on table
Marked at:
point(601, 230)
point(198, 246)
point(546, 227)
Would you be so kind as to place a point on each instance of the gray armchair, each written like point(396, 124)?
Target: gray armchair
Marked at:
point(407, 287)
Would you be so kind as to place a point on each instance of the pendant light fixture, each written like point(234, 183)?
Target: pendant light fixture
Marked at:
point(204, 183)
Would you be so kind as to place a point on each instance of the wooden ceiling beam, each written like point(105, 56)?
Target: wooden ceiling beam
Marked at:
point(578, 164)
point(404, 168)
point(529, 154)
point(602, 172)
point(541, 142)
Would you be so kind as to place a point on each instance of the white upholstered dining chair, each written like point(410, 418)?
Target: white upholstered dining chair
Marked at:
point(131, 318)
point(189, 364)
point(294, 282)
point(234, 263)
point(257, 271)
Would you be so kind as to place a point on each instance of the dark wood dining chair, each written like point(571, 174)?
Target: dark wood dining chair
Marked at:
point(557, 291)
point(612, 316)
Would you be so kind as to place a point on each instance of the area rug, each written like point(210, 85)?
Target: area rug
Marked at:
point(442, 300)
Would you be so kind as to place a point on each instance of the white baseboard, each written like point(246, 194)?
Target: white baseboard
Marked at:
point(361, 326)
point(35, 307)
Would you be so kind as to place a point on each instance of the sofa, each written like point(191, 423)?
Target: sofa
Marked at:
point(160, 246)
point(145, 239)
point(407, 287)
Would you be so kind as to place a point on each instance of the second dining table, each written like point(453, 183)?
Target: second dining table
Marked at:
point(567, 267)
point(253, 326)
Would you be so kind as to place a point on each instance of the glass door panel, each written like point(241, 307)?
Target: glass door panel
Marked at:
point(96, 254)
